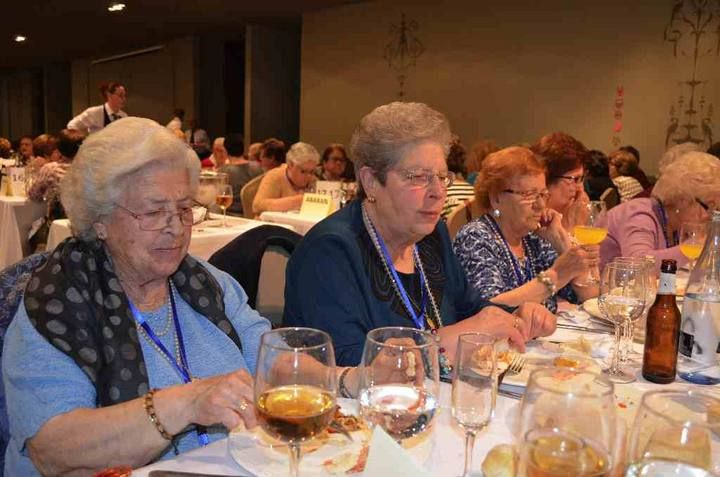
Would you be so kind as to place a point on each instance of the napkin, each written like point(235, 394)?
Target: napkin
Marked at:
point(387, 457)
point(198, 214)
point(576, 316)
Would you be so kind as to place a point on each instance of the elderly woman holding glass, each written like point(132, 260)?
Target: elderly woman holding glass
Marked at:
point(687, 191)
point(386, 259)
point(518, 251)
point(282, 188)
point(125, 349)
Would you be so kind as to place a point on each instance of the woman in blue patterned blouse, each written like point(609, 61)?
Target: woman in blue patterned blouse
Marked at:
point(519, 252)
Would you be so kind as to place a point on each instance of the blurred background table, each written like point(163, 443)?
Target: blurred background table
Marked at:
point(16, 217)
point(300, 223)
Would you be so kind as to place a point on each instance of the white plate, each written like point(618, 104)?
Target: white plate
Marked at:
point(257, 453)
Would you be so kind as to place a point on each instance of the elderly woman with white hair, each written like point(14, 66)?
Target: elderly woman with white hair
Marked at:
point(386, 259)
point(126, 349)
point(687, 191)
point(282, 188)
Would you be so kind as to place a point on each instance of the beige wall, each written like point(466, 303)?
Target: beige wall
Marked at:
point(509, 70)
point(157, 82)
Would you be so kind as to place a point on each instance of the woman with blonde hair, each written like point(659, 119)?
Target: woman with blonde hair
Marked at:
point(687, 191)
point(518, 251)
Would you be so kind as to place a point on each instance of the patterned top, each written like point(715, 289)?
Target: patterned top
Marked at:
point(628, 187)
point(483, 255)
point(457, 194)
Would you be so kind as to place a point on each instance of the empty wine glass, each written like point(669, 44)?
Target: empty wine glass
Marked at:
point(692, 240)
point(589, 232)
point(399, 381)
point(224, 199)
point(295, 386)
point(207, 191)
point(622, 299)
point(474, 387)
point(676, 433)
point(649, 268)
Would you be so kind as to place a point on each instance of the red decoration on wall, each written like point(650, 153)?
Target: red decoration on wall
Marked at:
point(618, 115)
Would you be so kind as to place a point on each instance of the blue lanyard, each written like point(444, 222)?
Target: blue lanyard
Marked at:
point(418, 320)
point(664, 225)
point(182, 368)
point(513, 259)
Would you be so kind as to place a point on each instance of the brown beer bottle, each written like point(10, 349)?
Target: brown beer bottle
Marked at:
point(663, 329)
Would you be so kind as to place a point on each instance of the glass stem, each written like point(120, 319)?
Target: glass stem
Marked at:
point(224, 216)
point(469, 446)
point(615, 366)
point(294, 460)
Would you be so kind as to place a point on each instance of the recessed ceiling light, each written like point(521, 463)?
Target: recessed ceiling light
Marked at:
point(116, 7)
point(20, 38)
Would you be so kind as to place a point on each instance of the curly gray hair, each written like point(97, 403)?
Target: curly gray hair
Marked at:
point(302, 153)
point(384, 135)
point(106, 163)
point(693, 175)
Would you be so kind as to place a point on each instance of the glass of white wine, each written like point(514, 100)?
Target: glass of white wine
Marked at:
point(676, 432)
point(692, 240)
point(591, 233)
point(474, 387)
point(622, 300)
point(224, 199)
point(399, 381)
point(295, 386)
point(553, 452)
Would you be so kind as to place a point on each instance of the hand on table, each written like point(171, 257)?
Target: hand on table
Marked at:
point(226, 399)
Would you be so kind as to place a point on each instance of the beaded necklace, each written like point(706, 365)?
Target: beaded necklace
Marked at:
point(164, 332)
point(424, 283)
point(510, 257)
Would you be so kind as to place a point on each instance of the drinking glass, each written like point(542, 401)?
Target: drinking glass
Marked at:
point(295, 386)
point(692, 240)
point(649, 268)
point(577, 402)
point(224, 199)
point(589, 232)
point(207, 191)
point(622, 300)
point(676, 429)
point(553, 452)
point(399, 381)
point(474, 387)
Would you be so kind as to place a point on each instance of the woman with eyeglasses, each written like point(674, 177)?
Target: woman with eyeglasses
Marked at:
point(386, 258)
point(125, 349)
point(688, 190)
point(518, 251)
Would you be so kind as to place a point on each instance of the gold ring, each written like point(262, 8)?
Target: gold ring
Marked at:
point(516, 323)
point(243, 405)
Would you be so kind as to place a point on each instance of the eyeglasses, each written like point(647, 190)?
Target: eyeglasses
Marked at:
point(576, 179)
point(702, 204)
point(423, 178)
point(530, 195)
point(159, 219)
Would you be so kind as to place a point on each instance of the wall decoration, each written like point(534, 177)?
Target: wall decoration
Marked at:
point(694, 32)
point(403, 50)
point(618, 115)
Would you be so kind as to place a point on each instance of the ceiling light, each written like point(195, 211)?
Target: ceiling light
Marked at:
point(116, 7)
point(20, 38)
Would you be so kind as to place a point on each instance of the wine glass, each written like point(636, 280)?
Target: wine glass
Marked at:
point(207, 191)
point(577, 402)
point(224, 199)
point(295, 386)
point(588, 232)
point(399, 381)
point(649, 268)
point(678, 430)
point(622, 300)
point(692, 240)
point(553, 452)
point(474, 387)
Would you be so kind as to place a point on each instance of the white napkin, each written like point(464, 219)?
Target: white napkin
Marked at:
point(198, 214)
point(576, 316)
point(387, 457)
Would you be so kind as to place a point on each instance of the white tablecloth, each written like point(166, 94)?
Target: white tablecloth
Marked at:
point(301, 223)
point(16, 216)
point(207, 238)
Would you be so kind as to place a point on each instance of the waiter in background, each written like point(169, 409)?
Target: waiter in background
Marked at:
point(95, 118)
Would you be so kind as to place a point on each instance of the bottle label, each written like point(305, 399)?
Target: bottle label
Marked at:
point(667, 284)
point(699, 338)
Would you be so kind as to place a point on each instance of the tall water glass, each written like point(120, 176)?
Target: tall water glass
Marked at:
point(649, 268)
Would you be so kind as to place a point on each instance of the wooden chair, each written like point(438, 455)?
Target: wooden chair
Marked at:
point(459, 217)
point(247, 195)
point(611, 197)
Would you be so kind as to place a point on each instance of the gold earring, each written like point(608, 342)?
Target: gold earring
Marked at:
point(371, 199)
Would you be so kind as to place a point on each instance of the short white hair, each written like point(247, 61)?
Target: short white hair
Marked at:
point(693, 175)
point(674, 153)
point(302, 153)
point(100, 171)
point(219, 141)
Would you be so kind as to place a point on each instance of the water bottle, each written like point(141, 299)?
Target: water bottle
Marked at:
point(700, 329)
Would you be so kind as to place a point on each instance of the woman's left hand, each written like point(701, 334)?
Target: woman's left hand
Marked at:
point(539, 321)
point(551, 229)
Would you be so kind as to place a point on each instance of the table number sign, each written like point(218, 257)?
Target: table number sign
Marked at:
point(13, 181)
point(331, 188)
point(316, 205)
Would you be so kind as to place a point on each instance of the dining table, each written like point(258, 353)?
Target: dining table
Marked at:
point(207, 236)
point(300, 222)
point(447, 439)
point(17, 214)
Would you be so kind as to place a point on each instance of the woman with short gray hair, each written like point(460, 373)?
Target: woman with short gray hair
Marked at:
point(282, 188)
point(104, 358)
point(386, 259)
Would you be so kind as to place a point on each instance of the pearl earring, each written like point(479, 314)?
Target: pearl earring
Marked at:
point(496, 213)
point(371, 199)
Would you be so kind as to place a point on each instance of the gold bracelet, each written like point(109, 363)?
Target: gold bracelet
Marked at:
point(342, 388)
point(149, 405)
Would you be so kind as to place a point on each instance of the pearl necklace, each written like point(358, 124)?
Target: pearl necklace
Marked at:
point(416, 257)
point(167, 329)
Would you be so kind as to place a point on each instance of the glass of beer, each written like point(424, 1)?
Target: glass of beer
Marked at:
point(680, 427)
point(590, 233)
point(224, 199)
point(692, 240)
point(295, 386)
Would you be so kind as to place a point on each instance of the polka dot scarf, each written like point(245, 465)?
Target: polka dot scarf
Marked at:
point(76, 302)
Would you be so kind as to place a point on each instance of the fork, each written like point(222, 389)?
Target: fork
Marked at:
point(515, 367)
point(337, 427)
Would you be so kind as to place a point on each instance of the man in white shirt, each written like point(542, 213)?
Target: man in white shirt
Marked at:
point(95, 118)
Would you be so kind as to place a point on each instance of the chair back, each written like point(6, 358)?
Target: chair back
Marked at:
point(270, 301)
point(458, 217)
point(12, 286)
point(611, 197)
point(247, 195)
